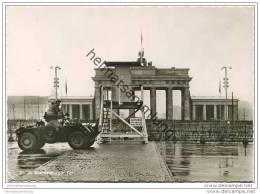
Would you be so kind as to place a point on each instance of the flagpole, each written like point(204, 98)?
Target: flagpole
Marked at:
point(142, 50)
point(219, 90)
point(66, 90)
point(61, 93)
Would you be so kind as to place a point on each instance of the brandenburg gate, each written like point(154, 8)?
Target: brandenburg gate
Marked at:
point(151, 78)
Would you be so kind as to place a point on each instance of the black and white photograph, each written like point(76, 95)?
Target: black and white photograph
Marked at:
point(129, 95)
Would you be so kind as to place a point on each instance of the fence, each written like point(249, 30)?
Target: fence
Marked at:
point(193, 131)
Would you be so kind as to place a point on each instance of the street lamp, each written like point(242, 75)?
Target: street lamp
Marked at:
point(225, 79)
point(56, 80)
point(225, 85)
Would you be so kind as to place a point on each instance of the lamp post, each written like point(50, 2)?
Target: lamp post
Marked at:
point(225, 85)
point(56, 80)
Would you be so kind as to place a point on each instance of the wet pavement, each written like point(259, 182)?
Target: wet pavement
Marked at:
point(100, 163)
point(20, 162)
point(212, 162)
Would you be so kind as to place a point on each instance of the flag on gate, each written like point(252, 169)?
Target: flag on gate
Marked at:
point(219, 89)
point(66, 86)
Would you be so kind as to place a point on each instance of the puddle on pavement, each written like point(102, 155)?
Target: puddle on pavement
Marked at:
point(212, 162)
point(21, 162)
point(34, 159)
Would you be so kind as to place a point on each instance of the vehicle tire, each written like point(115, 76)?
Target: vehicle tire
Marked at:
point(77, 140)
point(27, 141)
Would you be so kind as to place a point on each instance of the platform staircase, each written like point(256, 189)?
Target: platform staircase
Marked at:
point(116, 129)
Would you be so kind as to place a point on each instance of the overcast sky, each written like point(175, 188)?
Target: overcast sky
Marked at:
point(200, 38)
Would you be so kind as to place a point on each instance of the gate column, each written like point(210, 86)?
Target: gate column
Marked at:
point(97, 101)
point(169, 105)
point(185, 103)
point(194, 112)
point(153, 101)
point(215, 112)
point(204, 112)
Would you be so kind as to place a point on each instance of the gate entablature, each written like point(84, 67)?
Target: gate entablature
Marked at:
point(151, 78)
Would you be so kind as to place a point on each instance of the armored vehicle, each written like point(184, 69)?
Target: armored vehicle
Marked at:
point(58, 129)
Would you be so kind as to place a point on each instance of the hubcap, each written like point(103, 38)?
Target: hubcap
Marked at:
point(77, 140)
point(27, 142)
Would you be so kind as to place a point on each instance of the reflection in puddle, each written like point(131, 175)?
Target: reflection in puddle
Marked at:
point(33, 159)
point(21, 162)
point(210, 162)
point(225, 166)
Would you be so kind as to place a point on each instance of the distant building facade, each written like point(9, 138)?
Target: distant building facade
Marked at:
point(26, 107)
point(78, 107)
point(34, 107)
point(214, 108)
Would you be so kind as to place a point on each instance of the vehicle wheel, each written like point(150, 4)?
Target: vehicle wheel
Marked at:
point(77, 140)
point(27, 141)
